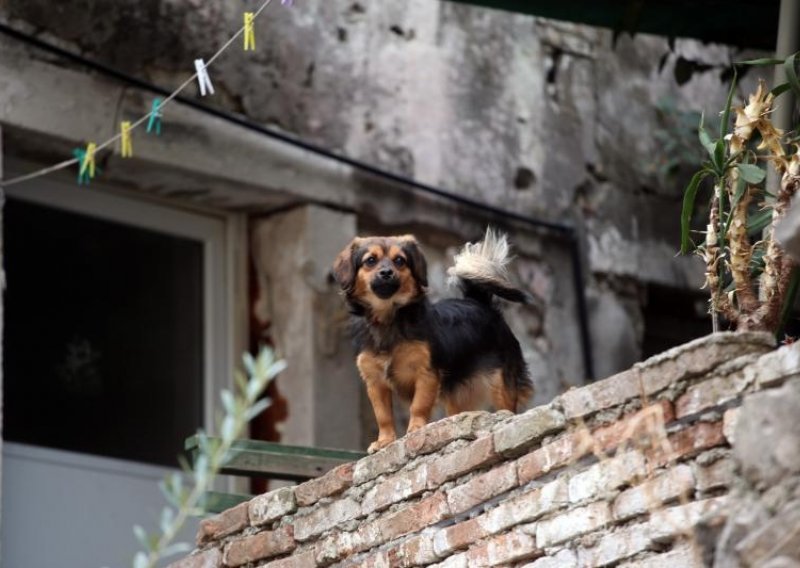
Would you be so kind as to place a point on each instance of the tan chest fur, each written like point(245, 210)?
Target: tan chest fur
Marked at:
point(406, 363)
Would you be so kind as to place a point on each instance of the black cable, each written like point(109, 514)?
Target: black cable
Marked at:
point(565, 231)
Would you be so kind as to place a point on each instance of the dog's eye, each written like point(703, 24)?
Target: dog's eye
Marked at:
point(399, 262)
point(371, 261)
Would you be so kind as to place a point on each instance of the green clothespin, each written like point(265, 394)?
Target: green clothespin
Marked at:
point(83, 173)
point(155, 117)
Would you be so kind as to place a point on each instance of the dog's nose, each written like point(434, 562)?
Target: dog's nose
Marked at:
point(386, 273)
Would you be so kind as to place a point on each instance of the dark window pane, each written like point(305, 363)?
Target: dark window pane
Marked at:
point(104, 334)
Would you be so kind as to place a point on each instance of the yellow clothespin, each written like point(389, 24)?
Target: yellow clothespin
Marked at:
point(88, 165)
point(249, 32)
point(126, 141)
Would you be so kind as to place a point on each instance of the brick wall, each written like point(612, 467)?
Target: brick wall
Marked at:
point(639, 470)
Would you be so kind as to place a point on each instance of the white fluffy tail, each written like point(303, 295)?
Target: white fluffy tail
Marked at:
point(481, 269)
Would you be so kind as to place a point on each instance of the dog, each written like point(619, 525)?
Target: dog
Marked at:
point(458, 352)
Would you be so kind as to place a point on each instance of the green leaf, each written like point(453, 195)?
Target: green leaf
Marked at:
point(257, 408)
point(759, 221)
point(140, 560)
point(762, 62)
point(705, 139)
point(167, 517)
point(751, 173)
point(228, 401)
point(780, 89)
point(689, 197)
point(726, 114)
point(718, 158)
point(791, 73)
point(788, 300)
point(176, 548)
point(141, 536)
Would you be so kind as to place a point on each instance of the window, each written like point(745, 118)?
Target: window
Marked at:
point(104, 335)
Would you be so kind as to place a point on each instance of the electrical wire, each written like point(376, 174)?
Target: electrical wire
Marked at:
point(136, 124)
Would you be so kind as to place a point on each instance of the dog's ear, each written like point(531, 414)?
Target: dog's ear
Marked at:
point(416, 260)
point(344, 268)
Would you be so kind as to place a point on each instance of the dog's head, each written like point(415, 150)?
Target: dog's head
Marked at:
point(382, 272)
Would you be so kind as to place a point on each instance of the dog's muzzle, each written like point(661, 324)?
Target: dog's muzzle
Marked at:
point(385, 284)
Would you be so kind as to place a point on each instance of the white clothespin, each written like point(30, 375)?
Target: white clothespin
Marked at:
point(203, 79)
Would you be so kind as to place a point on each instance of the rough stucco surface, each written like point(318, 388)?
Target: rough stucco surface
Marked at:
point(539, 117)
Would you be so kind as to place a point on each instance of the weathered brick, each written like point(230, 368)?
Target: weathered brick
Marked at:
point(774, 368)
point(265, 544)
point(377, 559)
point(600, 395)
point(651, 494)
point(336, 546)
point(572, 523)
point(606, 475)
point(682, 555)
point(458, 536)
point(434, 436)
point(715, 476)
point(503, 549)
point(482, 488)
point(477, 454)
point(325, 518)
point(272, 506)
point(301, 560)
point(616, 546)
point(412, 518)
point(562, 559)
point(211, 558)
point(416, 551)
point(394, 488)
point(635, 429)
point(526, 507)
point(558, 453)
point(389, 459)
point(526, 429)
point(698, 357)
point(729, 420)
point(711, 393)
point(670, 522)
point(226, 523)
point(688, 442)
point(332, 483)
point(454, 561)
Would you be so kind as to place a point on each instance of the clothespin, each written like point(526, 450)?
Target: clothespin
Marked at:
point(155, 117)
point(249, 32)
point(87, 164)
point(126, 141)
point(80, 155)
point(203, 79)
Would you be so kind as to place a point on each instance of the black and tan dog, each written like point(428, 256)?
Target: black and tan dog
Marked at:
point(457, 351)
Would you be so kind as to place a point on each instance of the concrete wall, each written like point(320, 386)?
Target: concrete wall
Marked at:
point(543, 118)
point(664, 464)
point(538, 117)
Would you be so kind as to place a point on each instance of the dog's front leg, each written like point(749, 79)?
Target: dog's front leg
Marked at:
point(426, 392)
point(373, 373)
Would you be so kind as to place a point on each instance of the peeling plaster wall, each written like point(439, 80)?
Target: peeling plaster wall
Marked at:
point(543, 118)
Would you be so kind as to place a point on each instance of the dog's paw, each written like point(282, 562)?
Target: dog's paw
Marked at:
point(379, 444)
